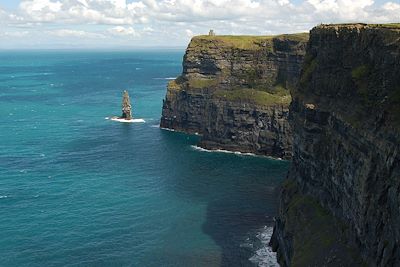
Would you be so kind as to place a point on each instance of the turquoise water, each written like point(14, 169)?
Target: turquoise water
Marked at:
point(79, 190)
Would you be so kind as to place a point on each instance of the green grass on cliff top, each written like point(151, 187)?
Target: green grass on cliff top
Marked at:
point(247, 41)
point(251, 96)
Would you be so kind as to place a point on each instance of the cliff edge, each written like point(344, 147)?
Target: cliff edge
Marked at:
point(340, 203)
point(234, 91)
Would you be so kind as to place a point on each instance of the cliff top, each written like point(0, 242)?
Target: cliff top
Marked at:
point(359, 26)
point(246, 42)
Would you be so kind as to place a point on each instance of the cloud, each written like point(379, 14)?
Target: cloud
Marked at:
point(189, 33)
point(174, 21)
point(14, 34)
point(123, 31)
point(74, 33)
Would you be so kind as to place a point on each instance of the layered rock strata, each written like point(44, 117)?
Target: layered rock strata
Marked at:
point(341, 203)
point(234, 91)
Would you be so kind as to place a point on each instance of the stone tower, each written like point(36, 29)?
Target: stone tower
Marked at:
point(126, 107)
point(211, 33)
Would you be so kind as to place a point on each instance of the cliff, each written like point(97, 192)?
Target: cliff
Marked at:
point(234, 91)
point(340, 203)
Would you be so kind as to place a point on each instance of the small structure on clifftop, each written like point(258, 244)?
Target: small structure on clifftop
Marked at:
point(211, 33)
point(126, 107)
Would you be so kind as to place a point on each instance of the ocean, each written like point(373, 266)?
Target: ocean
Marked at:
point(77, 189)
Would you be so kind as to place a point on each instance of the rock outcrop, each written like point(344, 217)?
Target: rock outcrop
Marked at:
point(126, 107)
point(234, 91)
point(340, 205)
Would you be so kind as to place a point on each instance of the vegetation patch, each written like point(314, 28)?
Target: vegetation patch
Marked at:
point(317, 235)
point(246, 42)
point(360, 72)
point(173, 85)
point(202, 83)
point(279, 90)
point(252, 96)
point(360, 77)
point(251, 76)
point(309, 66)
point(176, 84)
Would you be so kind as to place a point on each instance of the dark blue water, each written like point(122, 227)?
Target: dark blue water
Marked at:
point(79, 190)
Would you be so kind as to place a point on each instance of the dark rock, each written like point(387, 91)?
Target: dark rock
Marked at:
point(345, 117)
point(234, 92)
point(126, 107)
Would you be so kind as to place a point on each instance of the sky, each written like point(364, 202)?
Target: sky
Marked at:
point(30, 24)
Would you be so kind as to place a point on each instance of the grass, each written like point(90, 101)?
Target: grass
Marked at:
point(245, 42)
point(252, 96)
point(386, 25)
point(202, 83)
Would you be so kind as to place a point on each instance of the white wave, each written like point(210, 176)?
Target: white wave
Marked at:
point(231, 152)
point(155, 126)
point(224, 151)
point(264, 256)
point(167, 78)
point(167, 129)
point(128, 121)
point(3, 197)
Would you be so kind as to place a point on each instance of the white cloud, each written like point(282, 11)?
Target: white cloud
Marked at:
point(74, 33)
point(189, 33)
point(16, 34)
point(391, 6)
point(123, 31)
point(174, 21)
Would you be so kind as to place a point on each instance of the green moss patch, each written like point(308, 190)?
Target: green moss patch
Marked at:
point(252, 96)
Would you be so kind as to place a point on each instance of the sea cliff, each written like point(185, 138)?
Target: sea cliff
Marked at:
point(234, 92)
point(340, 202)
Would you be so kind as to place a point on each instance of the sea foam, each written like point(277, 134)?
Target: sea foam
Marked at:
point(126, 121)
point(264, 256)
point(168, 78)
point(231, 152)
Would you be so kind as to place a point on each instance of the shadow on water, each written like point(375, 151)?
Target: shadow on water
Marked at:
point(240, 193)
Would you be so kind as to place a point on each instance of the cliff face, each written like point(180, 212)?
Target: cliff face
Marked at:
point(345, 117)
point(234, 92)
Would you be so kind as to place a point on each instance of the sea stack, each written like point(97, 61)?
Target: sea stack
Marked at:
point(126, 107)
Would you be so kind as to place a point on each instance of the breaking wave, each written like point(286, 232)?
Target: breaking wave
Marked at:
point(264, 256)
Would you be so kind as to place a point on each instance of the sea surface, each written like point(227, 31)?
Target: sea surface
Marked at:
point(77, 189)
